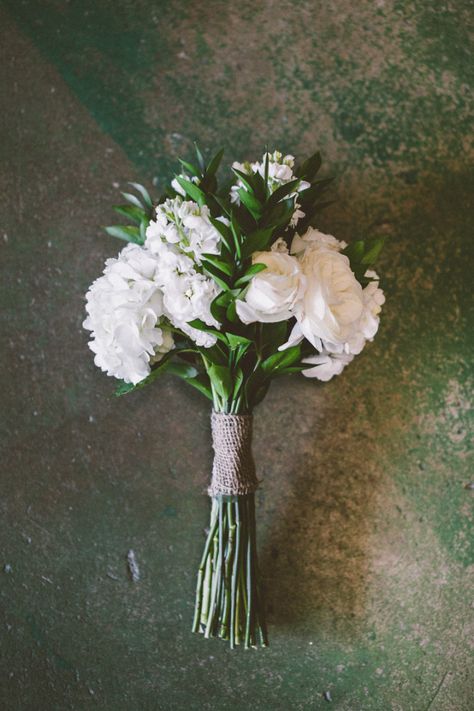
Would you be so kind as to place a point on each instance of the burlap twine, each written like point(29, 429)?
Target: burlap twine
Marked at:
point(233, 471)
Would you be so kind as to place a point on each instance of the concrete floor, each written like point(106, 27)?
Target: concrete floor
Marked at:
point(365, 516)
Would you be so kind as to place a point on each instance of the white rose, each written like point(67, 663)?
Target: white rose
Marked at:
point(314, 238)
point(333, 300)
point(273, 292)
point(326, 365)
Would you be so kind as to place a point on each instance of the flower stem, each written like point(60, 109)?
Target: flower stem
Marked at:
point(228, 598)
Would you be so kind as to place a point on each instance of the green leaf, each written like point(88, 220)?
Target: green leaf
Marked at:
point(256, 381)
point(144, 193)
point(256, 242)
point(200, 158)
point(251, 203)
point(245, 178)
point(192, 190)
point(225, 267)
point(282, 192)
point(157, 372)
point(125, 232)
point(308, 196)
point(221, 380)
point(216, 274)
point(280, 215)
point(291, 370)
point(310, 167)
point(133, 200)
point(214, 163)
point(373, 249)
point(238, 380)
point(182, 370)
point(220, 304)
point(281, 359)
point(251, 272)
point(225, 232)
point(231, 313)
point(224, 204)
point(273, 335)
point(136, 214)
point(235, 229)
point(236, 340)
point(201, 326)
point(265, 172)
point(201, 383)
point(190, 168)
point(363, 254)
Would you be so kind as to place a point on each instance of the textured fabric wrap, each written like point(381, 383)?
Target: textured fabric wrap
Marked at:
point(233, 471)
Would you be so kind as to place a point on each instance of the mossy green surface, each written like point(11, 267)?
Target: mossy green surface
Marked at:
point(366, 518)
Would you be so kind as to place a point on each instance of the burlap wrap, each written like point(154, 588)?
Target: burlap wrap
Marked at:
point(233, 471)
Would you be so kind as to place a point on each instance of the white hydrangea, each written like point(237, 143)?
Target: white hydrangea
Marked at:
point(125, 312)
point(280, 171)
point(179, 236)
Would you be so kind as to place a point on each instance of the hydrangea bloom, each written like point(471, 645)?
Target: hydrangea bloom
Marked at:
point(179, 236)
point(280, 171)
point(125, 315)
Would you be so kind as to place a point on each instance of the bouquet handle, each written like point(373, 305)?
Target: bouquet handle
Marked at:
point(229, 600)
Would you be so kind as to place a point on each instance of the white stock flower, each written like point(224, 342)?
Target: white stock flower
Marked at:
point(273, 292)
point(185, 224)
point(280, 172)
point(188, 297)
point(179, 236)
point(124, 311)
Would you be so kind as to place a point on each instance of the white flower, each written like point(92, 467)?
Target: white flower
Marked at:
point(314, 238)
point(279, 245)
point(185, 224)
point(273, 292)
point(326, 365)
point(280, 171)
point(333, 300)
point(179, 236)
point(125, 309)
point(188, 297)
point(333, 357)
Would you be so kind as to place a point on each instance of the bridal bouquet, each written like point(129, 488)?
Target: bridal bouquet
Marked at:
point(228, 289)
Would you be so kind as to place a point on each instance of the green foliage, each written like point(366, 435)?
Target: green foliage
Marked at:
point(125, 232)
point(362, 254)
point(138, 210)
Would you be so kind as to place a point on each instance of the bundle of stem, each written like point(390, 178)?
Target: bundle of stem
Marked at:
point(228, 598)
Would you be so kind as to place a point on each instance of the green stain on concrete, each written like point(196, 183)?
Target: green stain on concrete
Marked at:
point(365, 521)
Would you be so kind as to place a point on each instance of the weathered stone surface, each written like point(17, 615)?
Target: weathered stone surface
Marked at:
point(365, 516)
